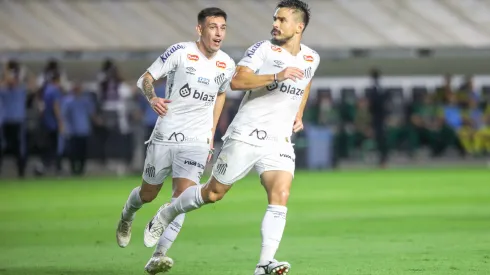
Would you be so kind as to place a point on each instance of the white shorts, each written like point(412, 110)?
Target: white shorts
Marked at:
point(237, 158)
point(183, 161)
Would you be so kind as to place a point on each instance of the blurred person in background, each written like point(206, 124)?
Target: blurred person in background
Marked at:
point(482, 137)
point(51, 69)
point(52, 126)
point(377, 106)
point(425, 126)
point(453, 117)
point(78, 115)
point(13, 97)
point(473, 122)
point(443, 92)
point(363, 134)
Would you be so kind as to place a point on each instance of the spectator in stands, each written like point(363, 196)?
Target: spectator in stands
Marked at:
point(377, 104)
point(453, 118)
point(425, 125)
point(445, 91)
point(116, 108)
point(395, 123)
point(363, 123)
point(482, 137)
point(51, 69)
point(467, 92)
point(52, 126)
point(13, 97)
point(78, 114)
point(473, 121)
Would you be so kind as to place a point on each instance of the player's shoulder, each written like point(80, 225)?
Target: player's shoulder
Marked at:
point(175, 49)
point(226, 58)
point(261, 45)
point(310, 54)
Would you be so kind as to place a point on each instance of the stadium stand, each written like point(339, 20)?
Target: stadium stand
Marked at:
point(95, 24)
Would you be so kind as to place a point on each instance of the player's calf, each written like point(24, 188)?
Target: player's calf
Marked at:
point(214, 191)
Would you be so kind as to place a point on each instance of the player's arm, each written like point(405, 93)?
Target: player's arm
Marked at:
point(162, 66)
point(304, 100)
point(246, 79)
point(298, 122)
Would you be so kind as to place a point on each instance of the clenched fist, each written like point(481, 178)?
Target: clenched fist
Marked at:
point(159, 105)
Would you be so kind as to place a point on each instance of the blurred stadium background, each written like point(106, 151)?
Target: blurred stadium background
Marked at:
point(401, 84)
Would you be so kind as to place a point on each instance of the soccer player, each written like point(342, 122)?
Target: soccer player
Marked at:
point(276, 75)
point(198, 73)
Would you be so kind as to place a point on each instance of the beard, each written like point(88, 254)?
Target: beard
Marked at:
point(280, 41)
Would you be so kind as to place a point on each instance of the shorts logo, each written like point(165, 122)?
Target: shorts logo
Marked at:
point(194, 163)
point(150, 170)
point(185, 91)
point(170, 51)
point(190, 70)
point(203, 80)
point(219, 79)
point(177, 137)
point(260, 134)
point(276, 48)
point(278, 64)
point(221, 168)
point(308, 58)
point(193, 57)
point(220, 64)
point(286, 156)
point(308, 73)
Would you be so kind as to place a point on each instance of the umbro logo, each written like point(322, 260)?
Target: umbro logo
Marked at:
point(190, 70)
point(278, 64)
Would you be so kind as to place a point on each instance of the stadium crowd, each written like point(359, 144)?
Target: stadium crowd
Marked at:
point(54, 116)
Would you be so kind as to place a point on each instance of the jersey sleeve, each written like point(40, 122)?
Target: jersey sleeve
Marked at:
point(167, 62)
point(316, 61)
point(254, 56)
point(230, 71)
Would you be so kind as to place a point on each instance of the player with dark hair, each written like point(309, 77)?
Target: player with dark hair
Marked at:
point(276, 75)
point(198, 73)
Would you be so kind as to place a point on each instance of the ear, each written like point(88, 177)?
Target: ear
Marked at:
point(199, 29)
point(300, 27)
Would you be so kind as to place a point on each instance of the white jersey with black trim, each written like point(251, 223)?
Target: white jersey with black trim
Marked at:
point(267, 114)
point(193, 82)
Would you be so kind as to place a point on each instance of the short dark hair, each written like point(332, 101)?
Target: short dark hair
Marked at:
point(210, 12)
point(299, 6)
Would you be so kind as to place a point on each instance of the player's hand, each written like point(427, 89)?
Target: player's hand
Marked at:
point(159, 105)
point(290, 73)
point(298, 125)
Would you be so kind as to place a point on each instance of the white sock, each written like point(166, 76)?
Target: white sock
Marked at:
point(190, 199)
point(272, 229)
point(169, 235)
point(133, 204)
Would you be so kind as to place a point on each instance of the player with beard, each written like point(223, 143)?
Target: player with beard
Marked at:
point(276, 75)
point(198, 73)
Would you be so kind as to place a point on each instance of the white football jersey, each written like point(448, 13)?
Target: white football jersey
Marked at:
point(193, 82)
point(267, 114)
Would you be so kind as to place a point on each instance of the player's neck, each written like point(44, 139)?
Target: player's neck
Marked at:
point(202, 49)
point(293, 46)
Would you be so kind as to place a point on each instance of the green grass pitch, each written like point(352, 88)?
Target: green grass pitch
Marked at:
point(347, 223)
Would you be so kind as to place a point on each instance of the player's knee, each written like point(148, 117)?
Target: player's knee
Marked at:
point(148, 196)
point(279, 196)
point(180, 186)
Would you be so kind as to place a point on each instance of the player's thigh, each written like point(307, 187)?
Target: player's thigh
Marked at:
point(158, 163)
point(189, 163)
point(276, 170)
point(234, 161)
